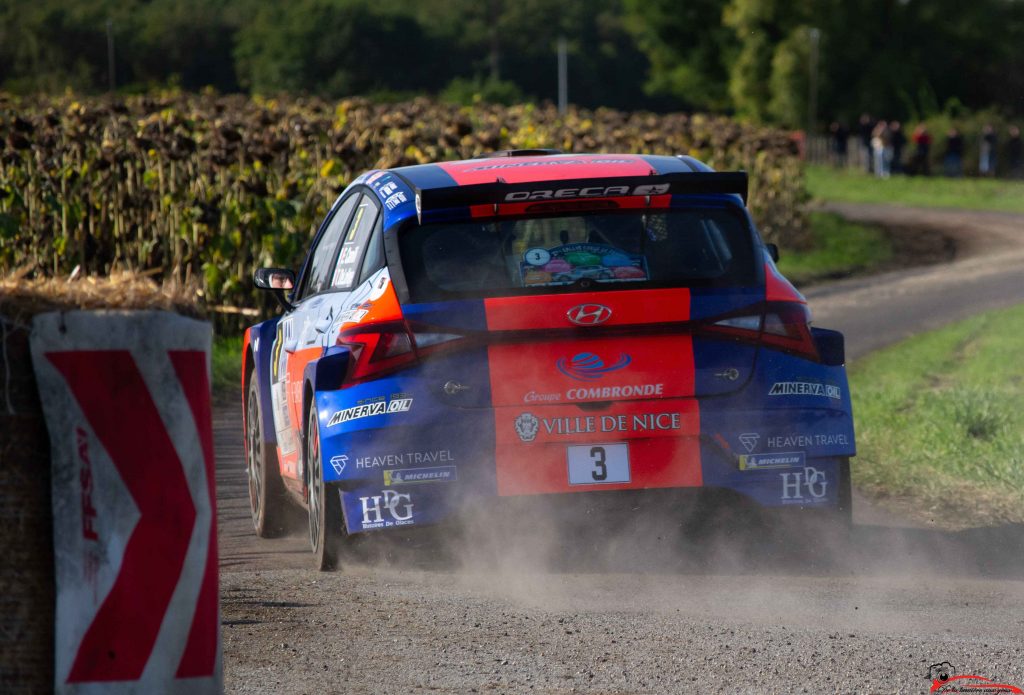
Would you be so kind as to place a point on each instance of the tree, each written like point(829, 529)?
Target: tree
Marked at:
point(688, 47)
point(788, 84)
point(335, 48)
point(762, 27)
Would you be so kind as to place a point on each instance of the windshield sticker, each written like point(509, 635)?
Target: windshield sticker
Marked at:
point(353, 226)
point(564, 265)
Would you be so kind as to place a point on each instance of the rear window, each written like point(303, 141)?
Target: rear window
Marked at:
point(542, 255)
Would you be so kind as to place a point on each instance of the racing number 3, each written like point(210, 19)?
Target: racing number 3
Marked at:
point(593, 464)
point(600, 472)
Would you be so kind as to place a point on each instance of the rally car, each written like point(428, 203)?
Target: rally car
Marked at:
point(447, 340)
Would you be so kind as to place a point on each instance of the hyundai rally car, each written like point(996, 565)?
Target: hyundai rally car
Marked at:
point(533, 323)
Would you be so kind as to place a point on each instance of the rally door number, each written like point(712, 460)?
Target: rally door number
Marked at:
point(596, 464)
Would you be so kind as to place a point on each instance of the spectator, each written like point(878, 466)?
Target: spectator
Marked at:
point(953, 160)
point(840, 136)
point(987, 151)
point(922, 150)
point(866, 125)
point(881, 147)
point(1014, 157)
point(899, 141)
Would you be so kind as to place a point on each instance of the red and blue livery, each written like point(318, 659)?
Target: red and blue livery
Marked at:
point(534, 323)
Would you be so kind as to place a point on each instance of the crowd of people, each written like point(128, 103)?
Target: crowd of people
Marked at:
point(885, 149)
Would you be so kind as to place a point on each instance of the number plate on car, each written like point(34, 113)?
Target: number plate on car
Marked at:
point(594, 464)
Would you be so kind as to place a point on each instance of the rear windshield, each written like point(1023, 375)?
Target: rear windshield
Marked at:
point(542, 255)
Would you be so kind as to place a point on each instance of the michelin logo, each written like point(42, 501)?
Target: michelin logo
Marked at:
point(412, 476)
point(756, 462)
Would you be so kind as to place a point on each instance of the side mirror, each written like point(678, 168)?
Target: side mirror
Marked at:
point(274, 279)
point(277, 280)
point(773, 251)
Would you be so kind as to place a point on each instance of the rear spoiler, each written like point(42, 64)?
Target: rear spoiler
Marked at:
point(499, 192)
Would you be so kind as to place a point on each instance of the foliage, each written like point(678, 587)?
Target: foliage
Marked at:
point(321, 46)
point(894, 59)
point(203, 189)
point(939, 420)
point(688, 47)
point(788, 82)
point(855, 186)
point(226, 365)
point(468, 92)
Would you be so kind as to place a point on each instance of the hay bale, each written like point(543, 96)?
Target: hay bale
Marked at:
point(27, 592)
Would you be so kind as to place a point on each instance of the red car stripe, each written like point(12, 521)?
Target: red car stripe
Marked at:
point(551, 311)
point(200, 654)
point(545, 168)
point(634, 202)
point(115, 400)
point(546, 372)
point(778, 288)
point(645, 381)
point(658, 459)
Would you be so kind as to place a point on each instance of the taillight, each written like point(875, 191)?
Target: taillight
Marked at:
point(781, 326)
point(787, 327)
point(382, 348)
point(377, 349)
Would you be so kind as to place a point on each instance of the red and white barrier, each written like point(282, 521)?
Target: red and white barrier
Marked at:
point(126, 397)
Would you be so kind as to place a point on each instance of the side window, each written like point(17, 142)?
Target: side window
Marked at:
point(325, 252)
point(356, 236)
point(374, 260)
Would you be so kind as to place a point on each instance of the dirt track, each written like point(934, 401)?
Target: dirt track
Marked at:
point(651, 610)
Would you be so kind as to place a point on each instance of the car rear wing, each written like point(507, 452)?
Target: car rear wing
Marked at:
point(499, 192)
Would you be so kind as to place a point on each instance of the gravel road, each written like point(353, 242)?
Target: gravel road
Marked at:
point(640, 607)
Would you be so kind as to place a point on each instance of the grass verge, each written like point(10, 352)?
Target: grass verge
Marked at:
point(855, 186)
point(940, 423)
point(227, 366)
point(839, 248)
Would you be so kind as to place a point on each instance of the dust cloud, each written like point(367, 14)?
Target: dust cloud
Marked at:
point(697, 553)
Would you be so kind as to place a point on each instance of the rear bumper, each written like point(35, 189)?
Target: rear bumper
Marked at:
point(778, 440)
point(413, 475)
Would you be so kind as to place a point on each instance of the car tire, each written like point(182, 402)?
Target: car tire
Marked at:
point(267, 501)
point(326, 524)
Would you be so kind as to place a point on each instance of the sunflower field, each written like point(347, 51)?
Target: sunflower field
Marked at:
point(197, 190)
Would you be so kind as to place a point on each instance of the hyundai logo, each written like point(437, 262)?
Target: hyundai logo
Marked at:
point(588, 314)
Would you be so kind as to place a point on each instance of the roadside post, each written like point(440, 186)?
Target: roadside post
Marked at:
point(126, 398)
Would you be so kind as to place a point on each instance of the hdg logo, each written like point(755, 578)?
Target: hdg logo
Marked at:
point(397, 506)
point(808, 485)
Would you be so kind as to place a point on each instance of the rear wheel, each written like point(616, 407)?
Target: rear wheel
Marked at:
point(326, 525)
point(266, 493)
